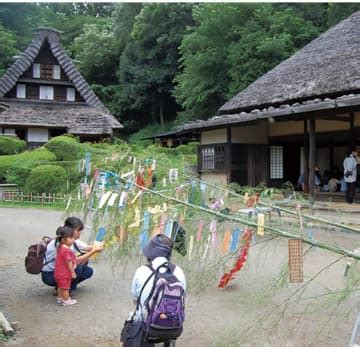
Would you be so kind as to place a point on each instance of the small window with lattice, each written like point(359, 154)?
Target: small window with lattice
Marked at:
point(212, 157)
point(276, 162)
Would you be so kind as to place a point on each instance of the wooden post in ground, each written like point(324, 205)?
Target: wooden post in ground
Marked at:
point(306, 158)
point(312, 154)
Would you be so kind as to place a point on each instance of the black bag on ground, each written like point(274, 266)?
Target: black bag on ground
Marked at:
point(34, 260)
point(132, 334)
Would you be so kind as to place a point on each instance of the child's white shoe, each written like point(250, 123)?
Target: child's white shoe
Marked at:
point(69, 302)
point(59, 300)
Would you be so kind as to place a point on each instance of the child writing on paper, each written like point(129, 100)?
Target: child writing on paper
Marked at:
point(65, 265)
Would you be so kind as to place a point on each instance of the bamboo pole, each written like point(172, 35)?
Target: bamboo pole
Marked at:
point(309, 217)
point(273, 231)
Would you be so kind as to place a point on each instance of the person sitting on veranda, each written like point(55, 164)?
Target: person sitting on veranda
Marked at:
point(317, 181)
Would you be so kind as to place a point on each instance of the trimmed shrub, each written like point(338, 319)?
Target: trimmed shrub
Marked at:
point(65, 148)
point(11, 145)
point(46, 179)
point(16, 168)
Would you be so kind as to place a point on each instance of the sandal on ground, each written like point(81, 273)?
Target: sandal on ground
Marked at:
point(69, 302)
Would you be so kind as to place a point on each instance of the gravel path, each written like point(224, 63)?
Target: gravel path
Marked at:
point(212, 318)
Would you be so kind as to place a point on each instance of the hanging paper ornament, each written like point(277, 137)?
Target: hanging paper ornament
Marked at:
point(123, 199)
point(213, 232)
point(200, 229)
point(136, 197)
point(144, 235)
point(225, 242)
point(191, 246)
point(156, 229)
point(104, 198)
point(206, 247)
point(87, 164)
point(241, 259)
point(260, 224)
point(153, 166)
point(296, 260)
point(173, 175)
point(234, 239)
point(112, 199)
point(203, 186)
point(164, 182)
point(168, 227)
point(136, 223)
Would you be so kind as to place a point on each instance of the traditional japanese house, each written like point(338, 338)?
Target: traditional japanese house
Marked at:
point(43, 95)
point(304, 112)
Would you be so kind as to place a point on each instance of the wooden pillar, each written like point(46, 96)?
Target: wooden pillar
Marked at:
point(306, 158)
point(228, 155)
point(312, 153)
point(352, 131)
point(331, 154)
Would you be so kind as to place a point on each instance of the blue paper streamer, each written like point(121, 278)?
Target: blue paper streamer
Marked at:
point(234, 239)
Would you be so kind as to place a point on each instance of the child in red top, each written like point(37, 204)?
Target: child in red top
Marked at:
point(65, 265)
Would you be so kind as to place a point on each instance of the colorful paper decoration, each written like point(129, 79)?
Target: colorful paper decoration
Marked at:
point(241, 259)
point(224, 248)
point(191, 246)
point(200, 229)
point(168, 227)
point(206, 247)
point(164, 182)
point(112, 199)
point(260, 224)
point(136, 219)
point(296, 260)
point(203, 187)
point(136, 197)
point(234, 239)
point(104, 198)
point(68, 203)
point(144, 235)
point(213, 233)
point(123, 199)
point(87, 164)
point(173, 175)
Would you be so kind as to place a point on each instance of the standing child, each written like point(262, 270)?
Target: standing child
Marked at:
point(65, 265)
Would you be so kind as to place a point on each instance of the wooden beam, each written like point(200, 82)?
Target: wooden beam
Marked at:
point(306, 158)
point(228, 155)
point(312, 154)
point(352, 130)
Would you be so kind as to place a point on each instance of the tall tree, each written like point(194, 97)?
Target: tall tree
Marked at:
point(96, 51)
point(231, 46)
point(149, 62)
point(7, 48)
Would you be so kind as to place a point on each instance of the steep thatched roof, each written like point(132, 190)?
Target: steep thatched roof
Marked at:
point(327, 66)
point(77, 119)
point(24, 61)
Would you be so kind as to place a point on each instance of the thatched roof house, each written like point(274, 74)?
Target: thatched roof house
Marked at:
point(43, 94)
point(319, 86)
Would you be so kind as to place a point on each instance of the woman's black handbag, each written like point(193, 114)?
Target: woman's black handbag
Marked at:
point(133, 331)
point(132, 334)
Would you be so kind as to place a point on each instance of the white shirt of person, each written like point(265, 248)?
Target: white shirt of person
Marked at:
point(51, 253)
point(142, 274)
point(350, 164)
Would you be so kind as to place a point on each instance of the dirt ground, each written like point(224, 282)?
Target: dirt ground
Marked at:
point(214, 317)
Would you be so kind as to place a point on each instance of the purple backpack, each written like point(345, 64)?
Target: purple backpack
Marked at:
point(165, 306)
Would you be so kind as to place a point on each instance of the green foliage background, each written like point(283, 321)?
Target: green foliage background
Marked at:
point(167, 63)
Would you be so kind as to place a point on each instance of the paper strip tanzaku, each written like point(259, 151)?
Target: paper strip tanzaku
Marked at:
point(241, 259)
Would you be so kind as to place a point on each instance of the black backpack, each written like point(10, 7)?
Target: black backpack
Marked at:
point(34, 260)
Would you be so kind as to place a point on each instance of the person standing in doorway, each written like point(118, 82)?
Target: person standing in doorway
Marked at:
point(350, 174)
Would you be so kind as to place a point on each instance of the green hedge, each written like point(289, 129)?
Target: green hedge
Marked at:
point(65, 148)
point(16, 168)
point(11, 145)
point(47, 179)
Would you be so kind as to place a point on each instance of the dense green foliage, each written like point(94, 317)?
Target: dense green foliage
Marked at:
point(156, 63)
point(11, 145)
point(47, 179)
point(16, 168)
point(65, 148)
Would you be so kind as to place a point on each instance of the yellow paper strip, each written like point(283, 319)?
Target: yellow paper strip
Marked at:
point(260, 224)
